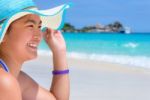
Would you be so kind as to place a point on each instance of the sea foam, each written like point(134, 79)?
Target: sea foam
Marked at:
point(139, 61)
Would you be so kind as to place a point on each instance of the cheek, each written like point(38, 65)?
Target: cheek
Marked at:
point(20, 40)
point(21, 34)
point(25, 36)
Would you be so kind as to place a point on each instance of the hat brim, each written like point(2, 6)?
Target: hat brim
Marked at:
point(52, 18)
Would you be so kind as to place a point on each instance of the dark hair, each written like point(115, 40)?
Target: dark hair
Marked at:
point(9, 28)
point(2, 21)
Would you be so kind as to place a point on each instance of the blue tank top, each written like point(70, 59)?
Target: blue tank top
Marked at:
point(2, 63)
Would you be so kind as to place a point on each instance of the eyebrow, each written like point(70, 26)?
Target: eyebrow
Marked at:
point(33, 21)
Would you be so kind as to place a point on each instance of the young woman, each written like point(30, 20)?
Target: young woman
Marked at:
point(19, 44)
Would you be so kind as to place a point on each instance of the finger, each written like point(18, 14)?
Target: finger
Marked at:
point(44, 31)
point(52, 32)
point(57, 33)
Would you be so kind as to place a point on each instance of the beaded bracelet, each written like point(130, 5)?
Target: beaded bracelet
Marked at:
point(60, 72)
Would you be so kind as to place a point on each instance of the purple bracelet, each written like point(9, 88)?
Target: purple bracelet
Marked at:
point(60, 72)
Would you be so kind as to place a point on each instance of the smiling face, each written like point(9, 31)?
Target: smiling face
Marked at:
point(23, 37)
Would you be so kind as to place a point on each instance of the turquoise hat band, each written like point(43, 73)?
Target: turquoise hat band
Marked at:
point(8, 7)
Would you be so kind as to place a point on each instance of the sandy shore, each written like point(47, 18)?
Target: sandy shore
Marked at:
point(95, 80)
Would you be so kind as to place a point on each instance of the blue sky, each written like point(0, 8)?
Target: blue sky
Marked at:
point(131, 13)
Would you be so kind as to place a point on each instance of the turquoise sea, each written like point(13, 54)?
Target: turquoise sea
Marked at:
point(131, 49)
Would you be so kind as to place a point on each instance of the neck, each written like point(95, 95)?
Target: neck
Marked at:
point(13, 64)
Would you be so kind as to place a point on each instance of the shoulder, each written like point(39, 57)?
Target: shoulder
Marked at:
point(9, 86)
point(7, 80)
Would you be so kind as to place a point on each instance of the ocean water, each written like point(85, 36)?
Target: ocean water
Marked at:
point(130, 49)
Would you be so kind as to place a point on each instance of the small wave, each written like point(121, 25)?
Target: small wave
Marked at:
point(140, 61)
point(131, 45)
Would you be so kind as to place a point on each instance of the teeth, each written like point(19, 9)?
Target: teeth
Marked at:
point(32, 45)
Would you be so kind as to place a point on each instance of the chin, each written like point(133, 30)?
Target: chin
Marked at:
point(31, 57)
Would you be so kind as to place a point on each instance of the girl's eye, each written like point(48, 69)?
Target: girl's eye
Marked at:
point(40, 27)
point(30, 26)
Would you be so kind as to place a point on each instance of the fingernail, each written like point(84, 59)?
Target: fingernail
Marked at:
point(44, 29)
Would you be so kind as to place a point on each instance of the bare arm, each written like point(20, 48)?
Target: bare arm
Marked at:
point(60, 83)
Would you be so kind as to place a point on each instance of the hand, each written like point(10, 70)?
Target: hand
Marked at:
point(54, 40)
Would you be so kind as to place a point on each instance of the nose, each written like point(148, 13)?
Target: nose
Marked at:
point(37, 35)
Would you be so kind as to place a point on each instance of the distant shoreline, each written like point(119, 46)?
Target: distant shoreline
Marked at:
point(142, 33)
point(115, 27)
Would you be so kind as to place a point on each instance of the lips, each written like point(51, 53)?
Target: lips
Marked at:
point(32, 45)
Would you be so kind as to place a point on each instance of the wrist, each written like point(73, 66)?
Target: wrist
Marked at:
point(58, 49)
point(59, 52)
point(60, 72)
point(60, 61)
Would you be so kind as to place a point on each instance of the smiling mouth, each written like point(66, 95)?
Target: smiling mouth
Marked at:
point(32, 45)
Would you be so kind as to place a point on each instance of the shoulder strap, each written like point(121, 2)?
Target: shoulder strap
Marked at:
point(4, 65)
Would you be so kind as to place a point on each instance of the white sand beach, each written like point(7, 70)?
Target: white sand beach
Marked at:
point(95, 80)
